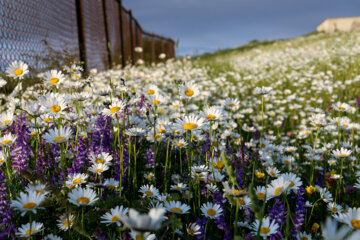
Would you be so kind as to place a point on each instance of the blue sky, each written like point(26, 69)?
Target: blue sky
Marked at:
point(207, 25)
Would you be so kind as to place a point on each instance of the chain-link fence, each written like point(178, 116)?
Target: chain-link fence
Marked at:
point(99, 32)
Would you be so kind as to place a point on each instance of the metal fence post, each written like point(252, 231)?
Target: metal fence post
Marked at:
point(81, 35)
point(108, 50)
point(131, 38)
point(121, 34)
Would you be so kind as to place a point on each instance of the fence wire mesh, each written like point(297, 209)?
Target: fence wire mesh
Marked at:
point(100, 32)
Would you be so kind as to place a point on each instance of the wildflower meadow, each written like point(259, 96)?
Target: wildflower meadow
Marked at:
point(255, 144)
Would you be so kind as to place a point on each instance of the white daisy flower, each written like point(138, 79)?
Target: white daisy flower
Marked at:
point(267, 227)
point(82, 196)
point(189, 90)
point(53, 77)
point(211, 210)
point(28, 202)
point(144, 222)
point(114, 215)
point(66, 221)
point(58, 135)
point(17, 69)
point(177, 207)
point(149, 191)
point(26, 230)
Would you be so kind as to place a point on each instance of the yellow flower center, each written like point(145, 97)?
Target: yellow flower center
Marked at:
point(310, 189)
point(18, 72)
point(191, 231)
point(334, 209)
point(57, 139)
point(161, 130)
point(264, 230)
point(260, 195)
point(77, 181)
point(39, 192)
point(341, 155)
point(341, 108)
point(115, 219)
point(28, 232)
point(67, 223)
point(6, 142)
point(286, 161)
point(54, 80)
point(150, 92)
point(189, 92)
point(176, 106)
point(55, 108)
point(210, 116)
point(99, 160)
point(155, 101)
point(219, 165)
point(260, 174)
point(355, 223)
point(231, 104)
point(149, 193)
point(190, 126)
point(304, 238)
point(240, 201)
point(5, 122)
point(139, 237)
point(83, 200)
point(180, 144)
point(176, 209)
point(236, 191)
point(277, 191)
point(111, 187)
point(211, 212)
point(29, 205)
point(150, 176)
point(157, 136)
point(291, 184)
point(99, 170)
point(114, 109)
point(47, 119)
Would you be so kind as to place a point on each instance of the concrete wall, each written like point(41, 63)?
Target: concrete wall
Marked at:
point(331, 25)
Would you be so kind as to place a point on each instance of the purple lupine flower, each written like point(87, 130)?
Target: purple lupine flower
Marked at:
point(249, 217)
point(81, 155)
point(220, 222)
point(150, 156)
point(5, 222)
point(278, 212)
point(329, 108)
point(249, 236)
point(299, 212)
point(357, 101)
point(277, 235)
point(350, 189)
point(320, 180)
point(21, 151)
point(142, 101)
point(102, 137)
point(202, 223)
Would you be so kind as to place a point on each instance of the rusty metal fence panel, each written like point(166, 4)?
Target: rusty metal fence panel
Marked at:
point(126, 36)
point(100, 32)
point(114, 34)
point(30, 29)
point(94, 34)
point(159, 48)
point(148, 47)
